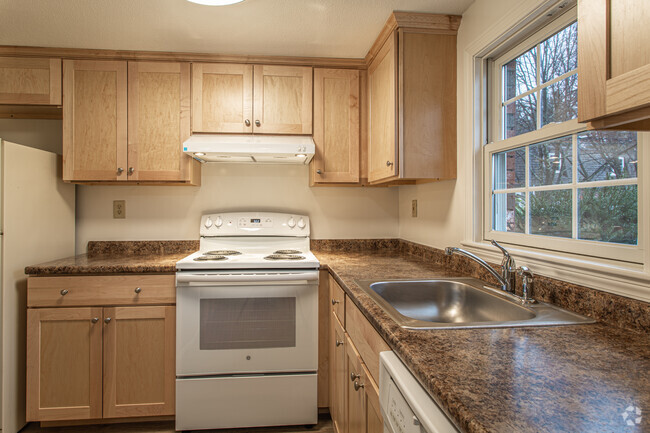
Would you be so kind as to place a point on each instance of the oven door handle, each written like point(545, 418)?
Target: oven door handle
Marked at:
point(259, 278)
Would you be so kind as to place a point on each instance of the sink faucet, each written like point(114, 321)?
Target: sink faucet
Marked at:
point(508, 275)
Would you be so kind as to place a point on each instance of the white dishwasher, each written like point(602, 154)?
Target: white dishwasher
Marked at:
point(405, 405)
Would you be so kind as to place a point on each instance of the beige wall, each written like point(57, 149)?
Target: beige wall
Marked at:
point(155, 212)
point(39, 133)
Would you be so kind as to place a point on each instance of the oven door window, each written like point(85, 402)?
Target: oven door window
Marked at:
point(247, 323)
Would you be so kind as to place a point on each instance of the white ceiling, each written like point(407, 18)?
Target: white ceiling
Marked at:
point(315, 28)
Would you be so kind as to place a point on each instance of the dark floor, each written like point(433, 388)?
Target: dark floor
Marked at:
point(324, 426)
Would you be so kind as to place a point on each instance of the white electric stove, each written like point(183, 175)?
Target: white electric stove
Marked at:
point(247, 324)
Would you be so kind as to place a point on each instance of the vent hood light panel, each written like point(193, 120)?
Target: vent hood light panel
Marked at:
point(260, 149)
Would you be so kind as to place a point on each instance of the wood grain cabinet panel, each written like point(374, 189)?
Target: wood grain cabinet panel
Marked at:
point(282, 99)
point(614, 64)
point(356, 400)
point(64, 364)
point(159, 122)
point(27, 81)
point(336, 126)
point(337, 375)
point(139, 361)
point(94, 120)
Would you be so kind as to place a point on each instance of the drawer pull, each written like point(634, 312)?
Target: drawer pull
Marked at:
point(354, 376)
point(107, 320)
point(64, 292)
point(138, 290)
point(95, 319)
point(338, 343)
point(334, 302)
point(358, 385)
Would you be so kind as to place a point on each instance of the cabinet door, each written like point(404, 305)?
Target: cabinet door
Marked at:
point(374, 420)
point(337, 374)
point(283, 99)
point(159, 122)
point(356, 401)
point(94, 120)
point(30, 81)
point(613, 59)
point(222, 98)
point(139, 369)
point(64, 364)
point(336, 126)
point(382, 145)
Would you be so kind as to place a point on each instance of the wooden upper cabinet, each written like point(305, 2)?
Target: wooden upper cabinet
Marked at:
point(412, 91)
point(222, 98)
point(336, 126)
point(64, 364)
point(159, 122)
point(139, 361)
point(283, 99)
point(27, 81)
point(614, 63)
point(94, 120)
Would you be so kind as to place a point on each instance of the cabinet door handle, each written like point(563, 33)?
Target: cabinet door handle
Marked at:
point(258, 123)
point(120, 170)
point(64, 292)
point(247, 122)
point(358, 385)
point(131, 170)
point(338, 343)
point(107, 320)
point(319, 171)
point(388, 163)
point(95, 319)
point(334, 302)
point(354, 376)
point(138, 290)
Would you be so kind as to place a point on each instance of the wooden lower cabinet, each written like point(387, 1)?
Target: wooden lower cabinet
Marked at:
point(338, 375)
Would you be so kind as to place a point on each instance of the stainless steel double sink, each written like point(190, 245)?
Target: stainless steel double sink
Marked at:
point(456, 303)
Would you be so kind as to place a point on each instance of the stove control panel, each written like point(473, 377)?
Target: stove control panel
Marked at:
point(254, 224)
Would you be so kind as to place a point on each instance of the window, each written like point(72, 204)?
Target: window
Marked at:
point(550, 182)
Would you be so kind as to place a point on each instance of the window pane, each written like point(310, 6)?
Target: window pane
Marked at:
point(509, 169)
point(560, 101)
point(559, 53)
point(550, 213)
point(509, 212)
point(551, 162)
point(520, 116)
point(608, 214)
point(520, 75)
point(604, 155)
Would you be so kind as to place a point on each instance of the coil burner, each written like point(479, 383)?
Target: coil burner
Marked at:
point(284, 257)
point(209, 258)
point(222, 253)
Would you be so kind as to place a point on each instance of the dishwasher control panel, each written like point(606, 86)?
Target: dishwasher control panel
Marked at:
point(400, 416)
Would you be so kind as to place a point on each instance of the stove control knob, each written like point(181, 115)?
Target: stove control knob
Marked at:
point(218, 222)
point(291, 223)
point(301, 223)
point(208, 223)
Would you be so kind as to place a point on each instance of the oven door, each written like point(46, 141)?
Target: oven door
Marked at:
point(246, 322)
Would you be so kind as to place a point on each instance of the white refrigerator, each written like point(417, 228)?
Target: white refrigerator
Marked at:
point(37, 225)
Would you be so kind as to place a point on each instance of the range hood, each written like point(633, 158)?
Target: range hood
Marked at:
point(261, 149)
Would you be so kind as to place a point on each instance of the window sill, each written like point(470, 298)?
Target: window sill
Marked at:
point(625, 279)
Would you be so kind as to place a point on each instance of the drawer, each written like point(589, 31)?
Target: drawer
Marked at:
point(367, 341)
point(337, 300)
point(101, 290)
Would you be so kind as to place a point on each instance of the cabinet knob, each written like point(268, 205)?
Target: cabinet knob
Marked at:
point(138, 290)
point(354, 376)
point(358, 385)
point(247, 122)
point(95, 319)
point(334, 302)
point(64, 292)
point(338, 343)
point(131, 170)
point(120, 170)
point(258, 123)
point(107, 320)
point(319, 171)
point(388, 163)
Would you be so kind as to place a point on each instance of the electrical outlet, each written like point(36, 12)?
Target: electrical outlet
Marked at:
point(119, 208)
point(414, 208)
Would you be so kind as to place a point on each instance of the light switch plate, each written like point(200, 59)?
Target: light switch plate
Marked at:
point(414, 208)
point(119, 208)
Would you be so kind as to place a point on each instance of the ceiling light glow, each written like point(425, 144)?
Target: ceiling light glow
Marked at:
point(215, 2)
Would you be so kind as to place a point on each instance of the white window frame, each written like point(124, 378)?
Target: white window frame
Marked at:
point(627, 279)
point(603, 250)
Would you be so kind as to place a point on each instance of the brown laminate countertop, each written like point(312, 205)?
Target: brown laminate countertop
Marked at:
point(578, 378)
point(109, 264)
